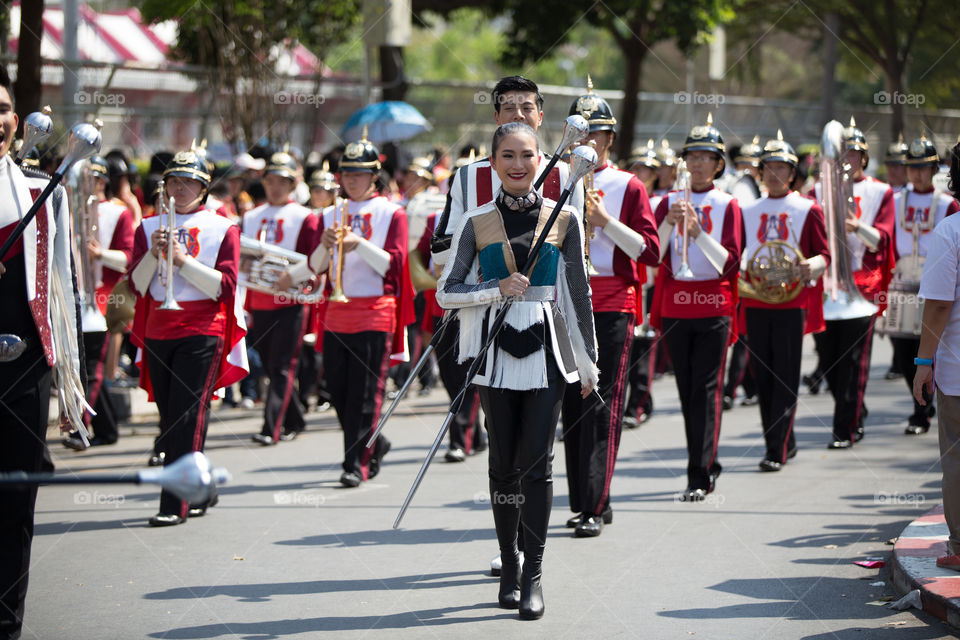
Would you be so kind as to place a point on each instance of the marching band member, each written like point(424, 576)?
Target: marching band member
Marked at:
point(919, 209)
point(666, 172)
point(278, 322)
point(535, 355)
point(515, 99)
point(114, 228)
point(323, 189)
point(32, 345)
point(895, 162)
point(366, 331)
point(776, 327)
point(643, 163)
point(191, 351)
point(622, 238)
point(696, 315)
point(845, 345)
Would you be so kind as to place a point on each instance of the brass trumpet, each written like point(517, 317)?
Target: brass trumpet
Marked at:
point(169, 301)
point(342, 227)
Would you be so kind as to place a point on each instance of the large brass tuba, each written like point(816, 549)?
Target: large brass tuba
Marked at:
point(843, 300)
point(85, 212)
point(262, 264)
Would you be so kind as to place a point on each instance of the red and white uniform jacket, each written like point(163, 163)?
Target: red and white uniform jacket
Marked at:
point(115, 233)
point(291, 226)
point(798, 221)
point(712, 291)
point(928, 209)
point(214, 242)
point(477, 183)
point(377, 302)
point(616, 287)
point(872, 269)
point(433, 310)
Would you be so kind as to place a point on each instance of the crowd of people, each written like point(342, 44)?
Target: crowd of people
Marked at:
point(283, 280)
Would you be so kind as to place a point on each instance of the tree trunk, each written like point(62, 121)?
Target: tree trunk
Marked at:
point(27, 88)
point(392, 79)
point(628, 110)
point(897, 95)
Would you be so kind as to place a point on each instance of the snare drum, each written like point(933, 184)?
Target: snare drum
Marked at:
point(904, 314)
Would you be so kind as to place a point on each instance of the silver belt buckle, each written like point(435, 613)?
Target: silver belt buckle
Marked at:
point(11, 347)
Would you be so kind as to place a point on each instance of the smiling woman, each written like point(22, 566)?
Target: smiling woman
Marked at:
point(526, 369)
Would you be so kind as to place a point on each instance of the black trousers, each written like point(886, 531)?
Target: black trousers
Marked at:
point(643, 356)
point(904, 351)
point(183, 372)
point(591, 429)
point(24, 409)
point(845, 358)
point(356, 367)
point(521, 427)
point(463, 427)
point(104, 423)
point(776, 347)
point(740, 372)
point(277, 335)
point(698, 348)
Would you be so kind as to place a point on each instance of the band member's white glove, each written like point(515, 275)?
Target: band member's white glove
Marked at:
point(664, 231)
point(300, 272)
point(114, 259)
point(143, 274)
point(818, 264)
point(626, 239)
point(869, 235)
point(714, 252)
point(377, 258)
point(204, 278)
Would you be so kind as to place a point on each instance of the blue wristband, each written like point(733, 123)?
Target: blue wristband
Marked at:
point(923, 361)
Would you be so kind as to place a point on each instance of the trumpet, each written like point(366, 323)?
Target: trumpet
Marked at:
point(169, 302)
point(587, 227)
point(342, 227)
point(683, 187)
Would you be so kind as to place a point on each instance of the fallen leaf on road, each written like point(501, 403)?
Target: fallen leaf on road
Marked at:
point(238, 557)
point(829, 546)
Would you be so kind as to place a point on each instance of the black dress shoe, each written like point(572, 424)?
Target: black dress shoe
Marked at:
point(96, 441)
point(73, 441)
point(201, 510)
point(792, 453)
point(770, 465)
point(574, 522)
point(858, 434)
point(156, 460)
point(840, 444)
point(916, 430)
point(287, 436)
point(727, 403)
point(590, 527)
point(693, 495)
point(455, 455)
point(531, 597)
point(166, 520)
point(381, 448)
point(350, 479)
point(261, 439)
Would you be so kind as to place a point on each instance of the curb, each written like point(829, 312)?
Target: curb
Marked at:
point(914, 566)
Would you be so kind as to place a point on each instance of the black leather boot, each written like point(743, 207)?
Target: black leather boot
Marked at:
point(537, 500)
point(504, 499)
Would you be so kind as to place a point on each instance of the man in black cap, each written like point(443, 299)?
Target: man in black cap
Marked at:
point(622, 239)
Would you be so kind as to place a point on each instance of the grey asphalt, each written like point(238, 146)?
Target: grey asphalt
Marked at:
point(288, 553)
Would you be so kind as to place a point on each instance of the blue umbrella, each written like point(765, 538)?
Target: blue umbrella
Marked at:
point(388, 121)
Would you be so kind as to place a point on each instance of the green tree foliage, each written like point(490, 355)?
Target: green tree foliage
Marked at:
point(240, 41)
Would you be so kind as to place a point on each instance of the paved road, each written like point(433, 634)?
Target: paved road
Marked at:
point(289, 553)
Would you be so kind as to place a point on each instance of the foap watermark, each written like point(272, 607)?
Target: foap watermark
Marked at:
point(98, 498)
point(898, 298)
point(895, 498)
point(298, 499)
point(99, 99)
point(299, 99)
point(685, 97)
point(482, 497)
point(715, 300)
point(888, 98)
point(482, 97)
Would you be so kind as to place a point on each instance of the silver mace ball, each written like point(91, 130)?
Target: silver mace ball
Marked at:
point(190, 478)
point(36, 128)
point(583, 160)
point(575, 129)
point(84, 141)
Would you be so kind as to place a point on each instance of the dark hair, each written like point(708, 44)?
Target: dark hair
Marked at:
point(5, 81)
point(515, 83)
point(510, 129)
point(955, 170)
